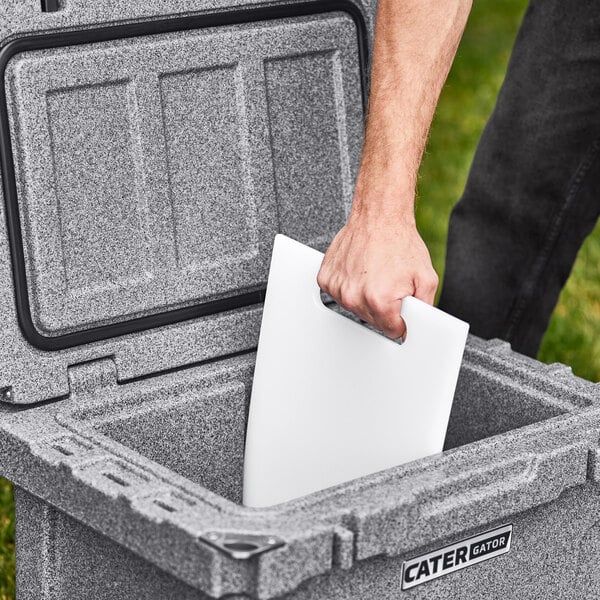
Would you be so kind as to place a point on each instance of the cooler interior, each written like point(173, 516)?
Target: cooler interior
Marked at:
point(197, 428)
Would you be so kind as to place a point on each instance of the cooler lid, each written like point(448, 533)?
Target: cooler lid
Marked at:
point(146, 174)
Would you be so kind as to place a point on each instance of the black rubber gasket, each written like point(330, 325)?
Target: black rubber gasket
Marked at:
point(116, 32)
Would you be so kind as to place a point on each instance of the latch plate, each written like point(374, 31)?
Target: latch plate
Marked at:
point(241, 546)
point(87, 377)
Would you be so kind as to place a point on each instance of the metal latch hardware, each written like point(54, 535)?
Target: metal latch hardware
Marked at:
point(241, 546)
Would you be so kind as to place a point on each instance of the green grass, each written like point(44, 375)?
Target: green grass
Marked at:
point(7, 542)
point(466, 102)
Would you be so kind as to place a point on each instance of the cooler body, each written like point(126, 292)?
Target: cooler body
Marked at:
point(135, 488)
point(149, 154)
point(555, 554)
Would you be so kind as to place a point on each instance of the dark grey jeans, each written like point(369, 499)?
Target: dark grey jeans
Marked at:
point(533, 193)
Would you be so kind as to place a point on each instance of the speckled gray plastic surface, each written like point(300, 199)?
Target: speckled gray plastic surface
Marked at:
point(147, 475)
point(147, 167)
point(152, 174)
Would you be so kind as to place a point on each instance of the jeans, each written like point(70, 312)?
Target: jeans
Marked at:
point(533, 192)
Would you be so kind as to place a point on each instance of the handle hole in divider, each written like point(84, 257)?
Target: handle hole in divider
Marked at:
point(332, 305)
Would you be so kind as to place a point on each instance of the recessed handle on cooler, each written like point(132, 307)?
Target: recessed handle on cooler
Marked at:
point(535, 481)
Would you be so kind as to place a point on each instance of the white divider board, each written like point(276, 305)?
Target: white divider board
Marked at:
point(332, 400)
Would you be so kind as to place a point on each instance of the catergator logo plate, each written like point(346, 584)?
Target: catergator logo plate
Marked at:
point(463, 554)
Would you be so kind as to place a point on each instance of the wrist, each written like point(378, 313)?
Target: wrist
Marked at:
point(389, 162)
point(384, 196)
point(382, 207)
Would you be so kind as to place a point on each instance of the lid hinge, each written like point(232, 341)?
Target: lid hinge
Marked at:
point(88, 377)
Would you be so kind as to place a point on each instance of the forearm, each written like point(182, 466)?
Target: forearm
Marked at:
point(378, 257)
point(415, 44)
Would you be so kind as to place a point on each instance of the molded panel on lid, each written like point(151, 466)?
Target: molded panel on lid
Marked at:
point(95, 180)
point(153, 172)
point(307, 119)
point(207, 150)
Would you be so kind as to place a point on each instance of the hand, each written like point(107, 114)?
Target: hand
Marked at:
point(372, 263)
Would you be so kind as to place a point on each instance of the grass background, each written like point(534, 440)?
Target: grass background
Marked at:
point(7, 542)
point(466, 102)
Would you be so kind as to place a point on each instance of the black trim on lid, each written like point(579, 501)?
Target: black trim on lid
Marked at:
point(115, 32)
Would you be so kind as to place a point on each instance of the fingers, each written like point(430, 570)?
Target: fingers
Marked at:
point(378, 309)
point(323, 279)
point(369, 275)
point(384, 311)
point(394, 328)
point(381, 308)
point(426, 286)
point(352, 300)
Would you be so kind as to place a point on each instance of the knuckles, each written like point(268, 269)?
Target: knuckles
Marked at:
point(427, 286)
point(378, 302)
point(433, 282)
point(350, 300)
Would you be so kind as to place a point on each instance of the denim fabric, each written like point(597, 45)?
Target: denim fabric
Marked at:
point(533, 192)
